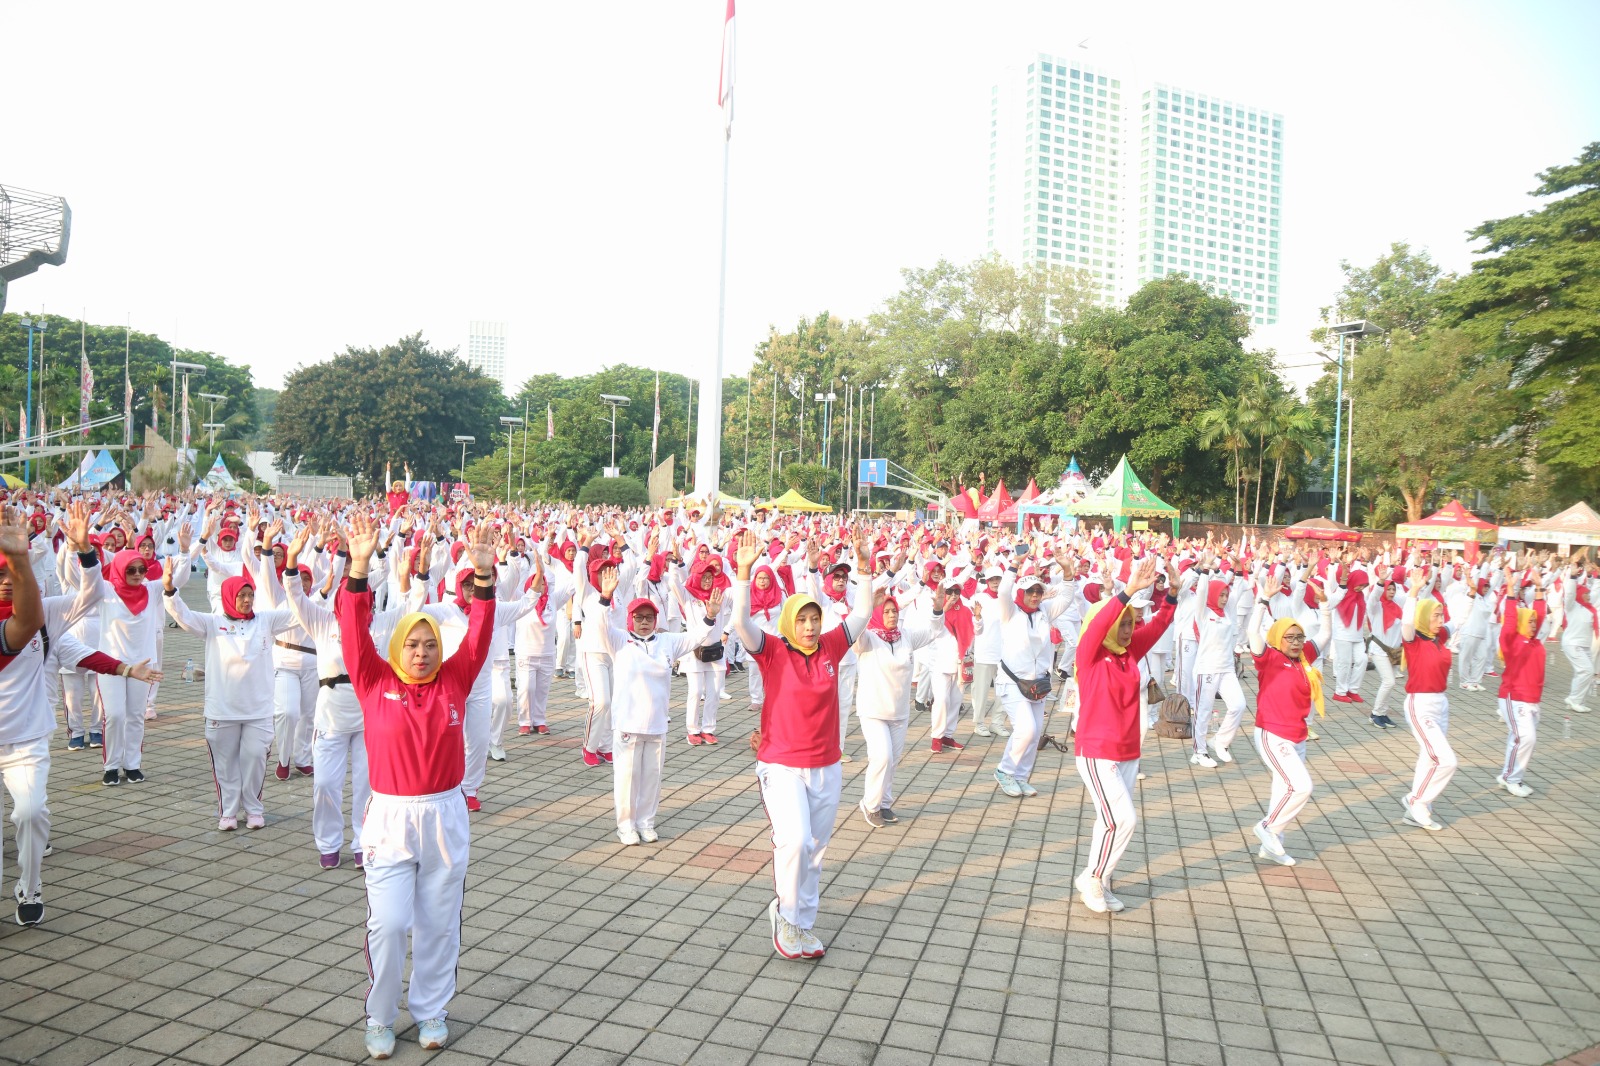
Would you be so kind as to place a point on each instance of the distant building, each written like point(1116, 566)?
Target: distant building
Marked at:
point(1200, 192)
point(486, 350)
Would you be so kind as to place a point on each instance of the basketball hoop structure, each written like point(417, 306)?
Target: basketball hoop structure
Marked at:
point(34, 230)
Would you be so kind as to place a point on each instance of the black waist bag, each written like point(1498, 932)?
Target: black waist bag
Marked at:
point(1032, 688)
point(709, 654)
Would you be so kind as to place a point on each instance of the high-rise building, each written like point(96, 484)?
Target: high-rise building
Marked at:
point(1201, 194)
point(1057, 196)
point(1210, 182)
point(486, 350)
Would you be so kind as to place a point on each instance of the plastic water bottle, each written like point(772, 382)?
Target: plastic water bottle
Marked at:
point(1566, 732)
point(188, 671)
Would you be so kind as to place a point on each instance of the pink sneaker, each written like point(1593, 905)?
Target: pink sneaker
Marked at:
point(590, 758)
point(254, 821)
point(227, 825)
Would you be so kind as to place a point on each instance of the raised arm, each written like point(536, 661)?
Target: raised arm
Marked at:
point(27, 605)
point(744, 627)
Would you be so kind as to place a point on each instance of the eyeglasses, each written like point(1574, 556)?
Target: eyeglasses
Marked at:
point(1290, 638)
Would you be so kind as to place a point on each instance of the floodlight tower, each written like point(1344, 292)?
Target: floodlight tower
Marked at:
point(34, 230)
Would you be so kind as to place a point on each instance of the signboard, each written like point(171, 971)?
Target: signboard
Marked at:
point(874, 472)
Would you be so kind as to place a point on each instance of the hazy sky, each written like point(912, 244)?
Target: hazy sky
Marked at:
point(275, 182)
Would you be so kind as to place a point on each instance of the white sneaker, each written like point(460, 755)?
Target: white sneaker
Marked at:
point(1516, 788)
point(981, 730)
point(649, 836)
point(785, 937)
point(1200, 758)
point(628, 837)
point(1092, 893)
point(497, 753)
point(811, 946)
point(1222, 754)
point(1272, 847)
point(1113, 904)
point(432, 1034)
point(1001, 731)
point(1422, 821)
point(380, 1041)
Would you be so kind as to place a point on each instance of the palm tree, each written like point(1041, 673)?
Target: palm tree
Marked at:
point(1227, 426)
point(1297, 432)
point(1258, 403)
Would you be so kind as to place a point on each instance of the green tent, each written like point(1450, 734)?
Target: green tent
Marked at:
point(1123, 496)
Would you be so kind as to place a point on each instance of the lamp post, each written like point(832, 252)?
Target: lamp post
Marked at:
point(32, 325)
point(826, 399)
point(615, 402)
point(509, 421)
point(211, 440)
point(1355, 330)
point(464, 439)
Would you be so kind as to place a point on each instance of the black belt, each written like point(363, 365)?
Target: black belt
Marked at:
point(295, 647)
point(329, 682)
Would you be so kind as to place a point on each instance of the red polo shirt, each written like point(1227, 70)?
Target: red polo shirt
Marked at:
point(800, 716)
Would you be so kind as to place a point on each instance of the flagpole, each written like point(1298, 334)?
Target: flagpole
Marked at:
point(708, 458)
point(522, 490)
point(127, 389)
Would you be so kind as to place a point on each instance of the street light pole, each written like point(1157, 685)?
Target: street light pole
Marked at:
point(1355, 330)
point(464, 440)
point(616, 402)
point(32, 326)
point(510, 422)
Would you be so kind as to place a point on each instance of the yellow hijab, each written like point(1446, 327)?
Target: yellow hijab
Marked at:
point(397, 644)
point(1426, 619)
point(1313, 675)
point(1526, 616)
point(790, 614)
point(1110, 643)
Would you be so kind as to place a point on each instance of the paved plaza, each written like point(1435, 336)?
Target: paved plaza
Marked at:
point(952, 937)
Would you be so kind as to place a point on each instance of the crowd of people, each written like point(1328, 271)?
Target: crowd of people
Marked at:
point(383, 648)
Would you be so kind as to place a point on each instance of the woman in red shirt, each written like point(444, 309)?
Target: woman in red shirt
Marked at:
point(1521, 686)
point(1106, 743)
point(797, 746)
point(415, 833)
point(1425, 641)
point(1288, 688)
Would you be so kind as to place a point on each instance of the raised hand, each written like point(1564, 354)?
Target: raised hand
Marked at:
point(291, 555)
point(480, 549)
point(1271, 586)
point(362, 541)
point(1143, 576)
point(714, 602)
point(13, 535)
point(746, 554)
point(608, 581)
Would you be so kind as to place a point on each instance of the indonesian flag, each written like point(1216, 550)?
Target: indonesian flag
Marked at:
point(22, 425)
point(85, 381)
point(549, 422)
point(725, 83)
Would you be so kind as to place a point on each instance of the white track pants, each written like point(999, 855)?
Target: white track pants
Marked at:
point(1380, 662)
point(1188, 650)
point(416, 871)
point(83, 709)
point(1349, 663)
point(1291, 780)
point(333, 754)
point(1110, 785)
point(758, 687)
point(597, 727)
point(847, 701)
point(500, 699)
point(1027, 724)
point(566, 646)
point(1581, 656)
point(705, 692)
point(533, 689)
point(1522, 731)
point(946, 703)
point(294, 711)
point(239, 763)
point(1428, 715)
point(886, 744)
point(120, 701)
point(637, 759)
point(983, 675)
point(25, 770)
point(801, 805)
point(1207, 688)
point(1474, 659)
point(479, 713)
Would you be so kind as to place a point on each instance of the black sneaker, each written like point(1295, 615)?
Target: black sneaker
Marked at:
point(887, 815)
point(1377, 720)
point(874, 819)
point(111, 778)
point(31, 912)
point(135, 776)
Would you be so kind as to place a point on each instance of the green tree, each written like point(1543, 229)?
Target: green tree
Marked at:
point(403, 403)
point(1296, 435)
point(808, 479)
point(614, 492)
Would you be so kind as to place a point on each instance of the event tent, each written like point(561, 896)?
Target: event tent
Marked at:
point(1451, 524)
point(1122, 496)
point(996, 504)
point(1577, 526)
point(793, 501)
point(1323, 529)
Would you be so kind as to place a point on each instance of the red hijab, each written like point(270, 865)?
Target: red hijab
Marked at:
point(879, 626)
point(958, 620)
point(1391, 610)
point(134, 596)
point(1353, 608)
point(767, 599)
point(230, 597)
point(709, 564)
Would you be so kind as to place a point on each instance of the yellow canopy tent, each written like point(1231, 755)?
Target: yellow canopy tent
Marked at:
point(793, 501)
